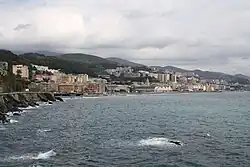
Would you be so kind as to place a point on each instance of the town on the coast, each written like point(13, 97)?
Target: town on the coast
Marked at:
point(30, 79)
point(119, 80)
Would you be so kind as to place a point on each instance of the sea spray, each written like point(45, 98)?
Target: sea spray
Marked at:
point(37, 156)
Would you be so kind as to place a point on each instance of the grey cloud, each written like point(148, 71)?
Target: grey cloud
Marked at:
point(20, 27)
point(130, 43)
point(193, 33)
point(158, 43)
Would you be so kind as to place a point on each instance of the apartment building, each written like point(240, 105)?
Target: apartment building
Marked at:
point(21, 70)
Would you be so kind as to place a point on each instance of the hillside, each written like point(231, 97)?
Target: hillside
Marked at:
point(48, 53)
point(67, 66)
point(85, 58)
point(123, 62)
point(53, 62)
point(94, 65)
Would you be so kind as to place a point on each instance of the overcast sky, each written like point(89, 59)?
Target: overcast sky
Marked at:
point(204, 34)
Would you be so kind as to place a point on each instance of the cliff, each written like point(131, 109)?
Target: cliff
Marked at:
point(11, 102)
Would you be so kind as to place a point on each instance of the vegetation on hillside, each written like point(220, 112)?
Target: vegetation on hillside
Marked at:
point(94, 66)
point(65, 64)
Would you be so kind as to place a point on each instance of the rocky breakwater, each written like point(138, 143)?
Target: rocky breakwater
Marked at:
point(12, 102)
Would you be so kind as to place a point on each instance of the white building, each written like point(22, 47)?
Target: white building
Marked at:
point(163, 89)
point(41, 68)
point(53, 71)
point(21, 70)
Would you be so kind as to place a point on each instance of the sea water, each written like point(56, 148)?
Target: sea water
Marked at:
point(212, 129)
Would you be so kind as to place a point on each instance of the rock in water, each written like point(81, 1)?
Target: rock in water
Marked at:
point(59, 99)
point(50, 97)
point(3, 118)
point(17, 114)
point(175, 142)
point(42, 97)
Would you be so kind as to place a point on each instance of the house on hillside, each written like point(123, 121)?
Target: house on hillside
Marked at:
point(21, 70)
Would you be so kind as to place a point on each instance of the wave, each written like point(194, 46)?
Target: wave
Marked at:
point(10, 114)
point(44, 130)
point(28, 108)
point(43, 104)
point(43, 156)
point(13, 121)
point(159, 142)
point(46, 155)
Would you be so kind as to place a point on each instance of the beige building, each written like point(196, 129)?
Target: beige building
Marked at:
point(164, 78)
point(62, 78)
point(21, 70)
point(81, 78)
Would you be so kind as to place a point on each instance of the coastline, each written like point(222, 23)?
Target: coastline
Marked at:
point(15, 102)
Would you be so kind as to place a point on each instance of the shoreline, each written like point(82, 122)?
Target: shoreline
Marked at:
point(126, 94)
point(16, 102)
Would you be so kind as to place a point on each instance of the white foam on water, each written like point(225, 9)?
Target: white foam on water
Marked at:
point(44, 104)
point(44, 130)
point(28, 108)
point(13, 121)
point(157, 142)
point(10, 114)
point(45, 155)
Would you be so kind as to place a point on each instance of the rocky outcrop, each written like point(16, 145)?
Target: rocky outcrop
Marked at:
point(50, 96)
point(42, 97)
point(12, 102)
point(59, 98)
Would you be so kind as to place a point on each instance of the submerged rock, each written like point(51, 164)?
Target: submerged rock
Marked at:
point(3, 118)
point(175, 142)
point(50, 96)
point(17, 114)
point(59, 99)
point(42, 97)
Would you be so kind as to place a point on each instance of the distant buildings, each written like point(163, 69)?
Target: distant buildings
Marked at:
point(164, 77)
point(120, 70)
point(41, 68)
point(21, 70)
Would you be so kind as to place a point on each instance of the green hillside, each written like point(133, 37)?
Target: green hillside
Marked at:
point(66, 64)
point(89, 59)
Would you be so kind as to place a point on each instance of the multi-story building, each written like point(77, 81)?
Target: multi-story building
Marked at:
point(41, 77)
point(82, 78)
point(164, 78)
point(21, 70)
point(132, 75)
point(155, 75)
point(66, 88)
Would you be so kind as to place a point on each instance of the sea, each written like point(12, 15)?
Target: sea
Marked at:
point(163, 130)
